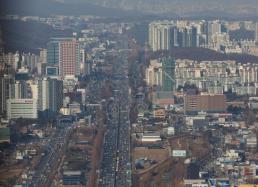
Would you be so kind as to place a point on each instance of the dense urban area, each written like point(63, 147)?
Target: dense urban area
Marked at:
point(95, 102)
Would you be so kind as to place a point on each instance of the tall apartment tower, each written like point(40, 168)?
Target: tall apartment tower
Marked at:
point(69, 62)
point(256, 32)
point(213, 28)
point(64, 53)
point(160, 36)
point(166, 36)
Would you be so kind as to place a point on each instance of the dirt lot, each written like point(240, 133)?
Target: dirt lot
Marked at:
point(10, 173)
point(170, 171)
point(153, 154)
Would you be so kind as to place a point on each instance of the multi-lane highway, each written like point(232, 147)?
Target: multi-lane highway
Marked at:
point(116, 167)
point(51, 157)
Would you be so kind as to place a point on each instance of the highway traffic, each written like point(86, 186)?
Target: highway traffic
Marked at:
point(116, 167)
point(51, 158)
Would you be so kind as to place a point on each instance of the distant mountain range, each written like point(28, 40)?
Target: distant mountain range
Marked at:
point(182, 7)
point(125, 8)
point(59, 7)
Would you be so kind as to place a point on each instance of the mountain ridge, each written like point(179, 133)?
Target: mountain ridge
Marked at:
point(179, 7)
point(51, 7)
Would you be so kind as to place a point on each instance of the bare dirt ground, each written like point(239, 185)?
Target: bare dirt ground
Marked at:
point(171, 171)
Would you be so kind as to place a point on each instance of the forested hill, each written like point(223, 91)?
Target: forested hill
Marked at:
point(52, 7)
point(28, 36)
point(202, 54)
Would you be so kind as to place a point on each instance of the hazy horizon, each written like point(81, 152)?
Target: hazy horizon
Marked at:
point(178, 7)
point(125, 8)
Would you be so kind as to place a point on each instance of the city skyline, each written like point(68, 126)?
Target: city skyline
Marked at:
point(119, 93)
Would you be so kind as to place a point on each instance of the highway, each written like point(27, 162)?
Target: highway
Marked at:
point(50, 159)
point(116, 164)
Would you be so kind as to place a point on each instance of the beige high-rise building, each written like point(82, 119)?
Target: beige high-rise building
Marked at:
point(160, 35)
point(153, 73)
point(256, 32)
point(69, 62)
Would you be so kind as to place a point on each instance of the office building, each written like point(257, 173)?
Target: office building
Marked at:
point(50, 94)
point(55, 95)
point(22, 108)
point(52, 52)
point(6, 80)
point(204, 102)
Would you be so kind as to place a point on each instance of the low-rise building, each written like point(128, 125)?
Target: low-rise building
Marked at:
point(22, 108)
point(205, 102)
point(150, 137)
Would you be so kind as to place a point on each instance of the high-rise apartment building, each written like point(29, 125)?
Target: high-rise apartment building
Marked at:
point(161, 35)
point(43, 55)
point(65, 53)
point(33, 89)
point(166, 35)
point(256, 32)
point(213, 27)
point(12, 59)
point(153, 74)
point(29, 60)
